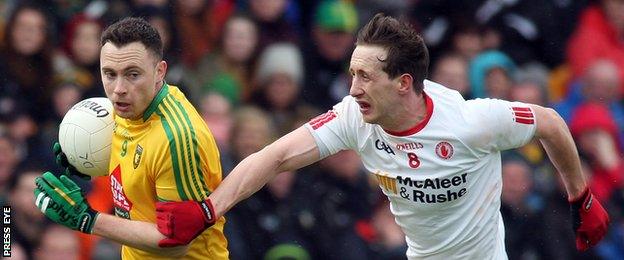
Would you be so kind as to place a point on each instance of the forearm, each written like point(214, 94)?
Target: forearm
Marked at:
point(561, 150)
point(293, 151)
point(136, 234)
point(247, 178)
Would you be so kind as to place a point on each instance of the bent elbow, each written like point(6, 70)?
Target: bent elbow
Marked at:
point(552, 124)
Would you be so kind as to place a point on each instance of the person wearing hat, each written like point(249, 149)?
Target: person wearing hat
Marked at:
point(327, 60)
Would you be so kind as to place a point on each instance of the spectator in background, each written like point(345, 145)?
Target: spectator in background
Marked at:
point(278, 80)
point(80, 58)
point(387, 240)
point(28, 77)
point(268, 218)
point(327, 56)
point(598, 36)
point(334, 198)
point(531, 82)
point(23, 130)
point(273, 23)
point(251, 225)
point(160, 17)
point(597, 137)
point(490, 75)
point(451, 70)
point(252, 129)
point(528, 92)
point(199, 26)
point(599, 84)
point(449, 26)
point(27, 222)
point(160, 20)
point(228, 70)
point(8, 163)
point(65, 95)
point(5, 7)
point(57, 242)
point(467, 40)
point(521, 211)
point(217, 112)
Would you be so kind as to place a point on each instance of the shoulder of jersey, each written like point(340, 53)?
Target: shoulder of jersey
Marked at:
point(443, 98)
point(437, 90)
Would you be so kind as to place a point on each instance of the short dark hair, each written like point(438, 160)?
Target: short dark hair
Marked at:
point(407, 52)
point(133, 29)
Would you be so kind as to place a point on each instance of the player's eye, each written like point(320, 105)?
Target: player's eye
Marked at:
point(109, 75)
point(133, 75)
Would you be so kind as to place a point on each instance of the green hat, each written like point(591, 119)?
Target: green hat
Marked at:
point(225, 85)
point(336, 16)
point(286, 251)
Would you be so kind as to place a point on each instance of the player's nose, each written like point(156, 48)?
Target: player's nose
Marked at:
point(119, 87)
point(355, 90)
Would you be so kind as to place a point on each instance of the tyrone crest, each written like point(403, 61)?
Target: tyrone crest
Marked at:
point(444, 150)
point(137, 156)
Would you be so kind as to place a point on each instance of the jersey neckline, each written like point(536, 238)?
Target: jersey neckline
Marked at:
point(421, 124)
point(164, 90)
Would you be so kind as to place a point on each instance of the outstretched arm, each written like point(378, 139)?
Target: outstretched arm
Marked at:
point(293, 151)
point(590, 220)
point(181, 222)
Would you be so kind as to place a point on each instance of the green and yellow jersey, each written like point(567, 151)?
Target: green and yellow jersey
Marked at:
point(168, 155)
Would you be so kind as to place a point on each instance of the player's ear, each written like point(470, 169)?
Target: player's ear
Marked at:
point(161, 70)
point(406, 82)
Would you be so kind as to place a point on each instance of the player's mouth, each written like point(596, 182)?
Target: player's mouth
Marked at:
point(364, 107)
point(121, 106)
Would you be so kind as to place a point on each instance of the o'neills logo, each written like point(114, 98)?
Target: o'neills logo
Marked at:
point(409, 146)
point(444, 150)
point(99, 110)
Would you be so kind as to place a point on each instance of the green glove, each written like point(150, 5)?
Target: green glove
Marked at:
point(62, 201)
point(61, 160)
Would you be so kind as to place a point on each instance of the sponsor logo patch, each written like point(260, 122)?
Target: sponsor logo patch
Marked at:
point(121, 202)
point(425, 191)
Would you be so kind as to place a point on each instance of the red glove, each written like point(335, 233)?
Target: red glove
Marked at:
point(183, 221)
point(590, 220)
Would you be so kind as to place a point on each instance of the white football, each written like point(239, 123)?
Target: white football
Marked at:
point(86, 134)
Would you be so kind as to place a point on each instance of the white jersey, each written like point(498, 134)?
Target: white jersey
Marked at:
point(443, 176)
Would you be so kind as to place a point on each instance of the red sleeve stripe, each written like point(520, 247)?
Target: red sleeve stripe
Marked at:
point(319, 118)
point(524, 114)
point(526, 121)
point(322, 119)
point(521, 109)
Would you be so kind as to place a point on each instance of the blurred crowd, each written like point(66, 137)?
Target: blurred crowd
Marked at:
point(256, 69)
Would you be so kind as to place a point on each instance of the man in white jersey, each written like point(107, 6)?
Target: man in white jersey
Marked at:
point(436, 155)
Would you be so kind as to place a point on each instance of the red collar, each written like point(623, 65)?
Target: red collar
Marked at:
point(421, 124)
